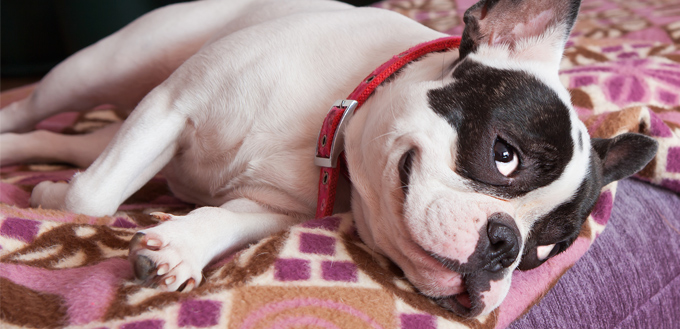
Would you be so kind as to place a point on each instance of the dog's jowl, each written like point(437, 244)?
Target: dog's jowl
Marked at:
point(464, 165)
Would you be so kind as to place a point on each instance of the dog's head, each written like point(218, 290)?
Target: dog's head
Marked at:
point(467, 169)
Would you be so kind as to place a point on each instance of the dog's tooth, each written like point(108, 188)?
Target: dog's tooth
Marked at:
point(542, 252)
point(169, 280)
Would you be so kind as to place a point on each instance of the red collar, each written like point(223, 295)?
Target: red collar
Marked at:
point(327, 150)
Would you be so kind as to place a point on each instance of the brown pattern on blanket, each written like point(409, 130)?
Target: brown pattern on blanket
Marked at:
point(57, 269)
point(318, 273)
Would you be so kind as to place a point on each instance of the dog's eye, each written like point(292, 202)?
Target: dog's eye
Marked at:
point(505, 157)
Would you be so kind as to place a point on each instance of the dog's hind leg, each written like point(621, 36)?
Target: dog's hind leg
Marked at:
point(145, 143)
point(174, 253)
point(42, 146)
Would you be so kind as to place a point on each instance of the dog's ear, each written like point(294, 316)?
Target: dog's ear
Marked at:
point(623, 155)
point(537, 29)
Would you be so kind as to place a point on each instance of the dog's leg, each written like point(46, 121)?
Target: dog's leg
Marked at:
point(175, 252)
point(146, 142)
point(43, 146)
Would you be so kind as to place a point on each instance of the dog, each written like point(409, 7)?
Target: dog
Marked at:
point(464, 166)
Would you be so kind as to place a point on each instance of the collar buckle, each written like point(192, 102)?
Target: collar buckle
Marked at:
point(327, 154)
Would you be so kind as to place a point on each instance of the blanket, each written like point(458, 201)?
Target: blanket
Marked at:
point(60, 269)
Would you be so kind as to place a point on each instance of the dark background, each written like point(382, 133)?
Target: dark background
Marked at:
point(35, 35)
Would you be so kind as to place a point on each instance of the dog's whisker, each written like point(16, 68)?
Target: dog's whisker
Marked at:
point(399, 187)
point(381, 136)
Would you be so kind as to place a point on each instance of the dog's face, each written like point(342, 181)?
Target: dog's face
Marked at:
point(464, 172)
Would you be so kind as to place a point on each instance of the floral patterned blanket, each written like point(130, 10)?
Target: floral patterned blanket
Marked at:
point(59, 269)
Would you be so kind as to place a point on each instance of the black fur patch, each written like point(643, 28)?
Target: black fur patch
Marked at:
point(485, 103)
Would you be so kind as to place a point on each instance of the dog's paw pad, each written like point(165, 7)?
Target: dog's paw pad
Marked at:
point(144, 268)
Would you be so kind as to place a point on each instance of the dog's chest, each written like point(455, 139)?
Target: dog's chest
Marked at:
point(266, 160)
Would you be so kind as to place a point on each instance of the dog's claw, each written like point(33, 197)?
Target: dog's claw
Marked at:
point(161, 216)
point(162, 269)
point(153, 244)
point(187, 286)
point(169, 280)
point(136, 240)
point(140, 240)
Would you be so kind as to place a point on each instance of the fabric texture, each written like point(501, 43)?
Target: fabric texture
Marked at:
point(622, 67)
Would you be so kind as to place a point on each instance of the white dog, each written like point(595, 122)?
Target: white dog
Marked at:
point(464, 165)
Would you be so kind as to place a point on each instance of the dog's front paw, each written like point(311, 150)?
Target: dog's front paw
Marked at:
point(162, 257)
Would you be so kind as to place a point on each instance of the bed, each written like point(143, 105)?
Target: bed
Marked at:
point(622, 68)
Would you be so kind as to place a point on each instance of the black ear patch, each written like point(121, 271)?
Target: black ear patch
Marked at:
point(563, 224)
point(483, 104)
point(611, 160)
point(624, 155)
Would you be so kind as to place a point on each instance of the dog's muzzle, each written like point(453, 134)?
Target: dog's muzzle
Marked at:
point(497, 250)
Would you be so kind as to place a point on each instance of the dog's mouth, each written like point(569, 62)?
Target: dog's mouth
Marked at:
point(465, 304)
point(405, 163)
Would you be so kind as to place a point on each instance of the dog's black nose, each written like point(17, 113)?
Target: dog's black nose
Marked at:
point(504, 242)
